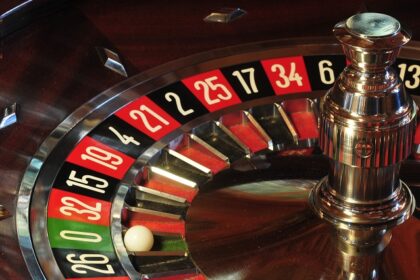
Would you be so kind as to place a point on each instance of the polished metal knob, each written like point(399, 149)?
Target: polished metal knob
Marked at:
point(367, 127)
point(371, 41)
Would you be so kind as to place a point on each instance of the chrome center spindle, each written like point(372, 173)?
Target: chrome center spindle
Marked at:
point(367, 128)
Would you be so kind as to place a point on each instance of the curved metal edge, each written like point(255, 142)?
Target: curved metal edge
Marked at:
point(24, 12)
point(116, 229)
point(22, 218)
point(387, 214)
point(162, 75)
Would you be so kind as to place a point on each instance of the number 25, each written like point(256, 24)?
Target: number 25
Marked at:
point(208, 85)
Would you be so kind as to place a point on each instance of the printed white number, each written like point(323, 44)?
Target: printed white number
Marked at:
point(70, 203)
point(80, 236)
point(124, 138)
point(135, 114)
point(326, 73)
point(102, 157)
point(83, 182)
point(251, 76)
point(170, 95)
point(86, 261)
point(415, 69)
point(208, 85)
point(285, 81)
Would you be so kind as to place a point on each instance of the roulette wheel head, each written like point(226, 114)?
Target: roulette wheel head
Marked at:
point(260, 161)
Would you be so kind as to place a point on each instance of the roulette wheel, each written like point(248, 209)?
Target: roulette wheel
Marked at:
point(165, 141)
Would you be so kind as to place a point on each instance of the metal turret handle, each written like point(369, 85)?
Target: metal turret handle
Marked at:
point(371, 41)
point(367, 127)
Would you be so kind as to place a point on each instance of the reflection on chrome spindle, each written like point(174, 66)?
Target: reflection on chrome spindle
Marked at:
point(367, 126)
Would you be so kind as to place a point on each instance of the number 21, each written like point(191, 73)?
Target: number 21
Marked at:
point(141, 113)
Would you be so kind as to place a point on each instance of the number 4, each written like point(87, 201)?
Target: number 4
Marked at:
point(124, 138)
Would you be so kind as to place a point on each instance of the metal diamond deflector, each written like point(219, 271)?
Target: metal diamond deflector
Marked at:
point(9, 116)
point(225, 15)
point(112, 61)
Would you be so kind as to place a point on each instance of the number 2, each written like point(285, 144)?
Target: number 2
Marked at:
point(170, 95)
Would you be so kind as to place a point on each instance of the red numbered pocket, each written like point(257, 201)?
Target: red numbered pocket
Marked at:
point(96, 156)
point(212, 89)
point(287, 75)
point(149, 118)
point(78, 208)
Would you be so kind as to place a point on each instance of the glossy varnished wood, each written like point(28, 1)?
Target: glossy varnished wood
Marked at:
point(48, 70)
point(157, 32)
